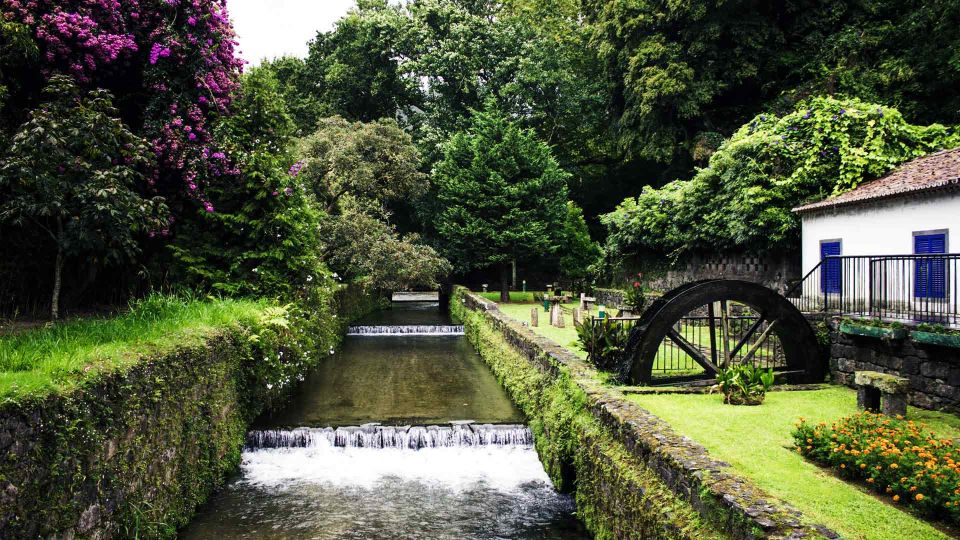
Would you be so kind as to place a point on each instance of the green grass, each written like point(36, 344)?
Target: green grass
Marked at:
point(515, 296)
point(567, 337)
point(757, 442)
point(43, 360)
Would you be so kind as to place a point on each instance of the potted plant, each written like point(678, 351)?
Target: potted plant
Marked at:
point(936, 335)
point(744, 384)
point(873, 328)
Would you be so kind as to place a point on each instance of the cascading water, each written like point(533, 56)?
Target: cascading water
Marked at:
point(406, 330)
point(399, 463)
point(402, 437)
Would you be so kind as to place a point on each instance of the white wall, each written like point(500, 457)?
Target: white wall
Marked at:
point(881, 228)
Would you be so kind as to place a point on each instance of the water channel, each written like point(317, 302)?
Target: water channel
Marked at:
point(403, 433)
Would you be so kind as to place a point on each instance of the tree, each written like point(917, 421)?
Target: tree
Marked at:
point(72, 172)
point(358, 172)
point(500, 197)
point(263, 239)
point(580, 253)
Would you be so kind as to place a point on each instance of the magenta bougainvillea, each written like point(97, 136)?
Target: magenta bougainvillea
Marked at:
point(170, 63)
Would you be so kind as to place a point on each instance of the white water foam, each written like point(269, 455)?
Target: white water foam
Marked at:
point(501, 468)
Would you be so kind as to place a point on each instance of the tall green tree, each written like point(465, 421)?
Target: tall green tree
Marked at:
point(500, 197)
point(71, 173)
point(261, 238)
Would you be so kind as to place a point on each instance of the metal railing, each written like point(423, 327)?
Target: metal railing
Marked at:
point(904, 288)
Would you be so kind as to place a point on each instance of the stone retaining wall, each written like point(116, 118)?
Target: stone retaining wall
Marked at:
point(132, 453)
point(934, 372)
point(632, 474)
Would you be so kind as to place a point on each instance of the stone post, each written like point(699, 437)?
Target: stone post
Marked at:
point(534, 317)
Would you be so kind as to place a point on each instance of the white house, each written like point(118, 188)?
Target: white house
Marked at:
point(876, 247)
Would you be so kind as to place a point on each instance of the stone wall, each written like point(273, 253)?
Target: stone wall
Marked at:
point(633, 476)
point(934, 372)
point(132, 453)
point(774, 271)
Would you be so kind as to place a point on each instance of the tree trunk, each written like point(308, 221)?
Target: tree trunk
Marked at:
point(57, 273)
point(505, 282)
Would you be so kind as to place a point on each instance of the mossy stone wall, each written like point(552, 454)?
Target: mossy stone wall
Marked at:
point(132, 454)
point(632, 475)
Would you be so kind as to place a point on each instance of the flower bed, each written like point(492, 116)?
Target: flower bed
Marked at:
point(901, 459)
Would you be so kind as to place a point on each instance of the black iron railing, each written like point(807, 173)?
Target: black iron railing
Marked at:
point(904, 288)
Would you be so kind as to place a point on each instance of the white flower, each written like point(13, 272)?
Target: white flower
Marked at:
point(269, 386)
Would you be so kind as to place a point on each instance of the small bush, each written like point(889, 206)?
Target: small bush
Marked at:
point(605, 341)
point(898, 458)
point(744, 384)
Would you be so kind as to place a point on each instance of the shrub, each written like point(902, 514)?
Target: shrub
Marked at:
point(634, 298)
point(896, 457)
point(744, 384)
point(605, 341)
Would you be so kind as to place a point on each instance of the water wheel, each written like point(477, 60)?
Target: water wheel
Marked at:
point(694, 330)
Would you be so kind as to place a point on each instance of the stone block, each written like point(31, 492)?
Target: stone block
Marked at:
point(886, 383)
point(935, 370)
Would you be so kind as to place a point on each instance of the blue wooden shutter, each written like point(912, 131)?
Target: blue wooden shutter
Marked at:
point(831, 273)
point(930, 274)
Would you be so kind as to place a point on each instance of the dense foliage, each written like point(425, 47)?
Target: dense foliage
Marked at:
point(263, 238)
point(72, 175)
point(901, 459)
point(742, 201)
point(500, 197)
point(685, 74)
point(357, 172)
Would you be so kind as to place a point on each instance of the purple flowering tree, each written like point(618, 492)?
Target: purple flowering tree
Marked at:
point(170, 64)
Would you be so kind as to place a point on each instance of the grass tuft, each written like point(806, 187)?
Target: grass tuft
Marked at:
point(56, 359)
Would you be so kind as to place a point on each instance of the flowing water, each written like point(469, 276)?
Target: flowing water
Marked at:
point(403, 433)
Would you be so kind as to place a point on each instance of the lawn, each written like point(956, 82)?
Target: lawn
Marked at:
point(756, 441)
point(515, 296)
point(567, 337)
point(41, 360)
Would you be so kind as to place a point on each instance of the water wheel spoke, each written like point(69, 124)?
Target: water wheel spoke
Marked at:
point(750, 332)
point(692, 351)
point(760, 341)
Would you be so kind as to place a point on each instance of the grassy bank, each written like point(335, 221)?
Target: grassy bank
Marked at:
point(757, 442)
point(57, 359)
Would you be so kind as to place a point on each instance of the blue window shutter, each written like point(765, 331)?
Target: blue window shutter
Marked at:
point(831, 273)
point(930, 273)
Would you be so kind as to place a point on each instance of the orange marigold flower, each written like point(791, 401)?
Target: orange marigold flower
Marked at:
point(896, 498)
point(919, 496)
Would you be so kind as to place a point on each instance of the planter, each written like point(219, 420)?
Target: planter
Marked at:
point(936, 339)
point(740, 399)
point(876, 332)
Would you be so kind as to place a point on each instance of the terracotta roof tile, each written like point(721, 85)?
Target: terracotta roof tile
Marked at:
point(934, 171)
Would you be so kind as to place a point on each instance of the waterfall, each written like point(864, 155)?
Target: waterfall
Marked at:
point(406, 330)
point(457, 434)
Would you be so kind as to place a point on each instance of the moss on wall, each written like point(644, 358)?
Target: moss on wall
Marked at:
point(632, 475)
point(133, 453)
point(616, 496)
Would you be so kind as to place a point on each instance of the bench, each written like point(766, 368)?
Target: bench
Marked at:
point(587, 302)
point(881, 392)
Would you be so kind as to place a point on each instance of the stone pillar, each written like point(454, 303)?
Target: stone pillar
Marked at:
point(894, 404)
point(534, 317)
point(577, 316)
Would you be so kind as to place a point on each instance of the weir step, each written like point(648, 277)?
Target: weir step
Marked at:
point(406, 330)
point(399, 437)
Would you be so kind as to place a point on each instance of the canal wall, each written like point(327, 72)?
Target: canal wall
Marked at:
point(132, 453)
point(632, 475)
